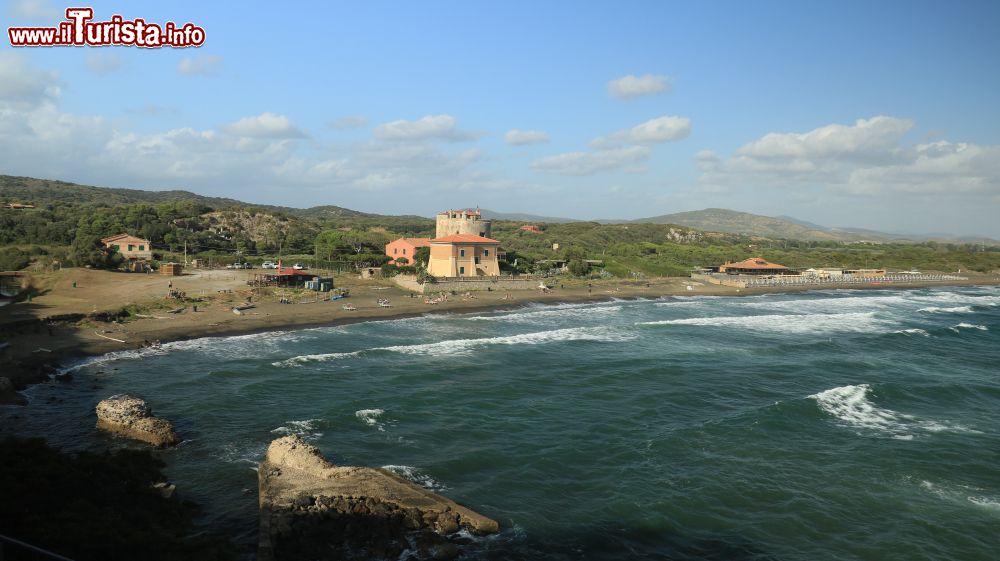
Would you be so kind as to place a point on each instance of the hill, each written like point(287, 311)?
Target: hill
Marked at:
point(524, 217)
point(731, 221)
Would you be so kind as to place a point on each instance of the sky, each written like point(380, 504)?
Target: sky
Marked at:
point(881, 115)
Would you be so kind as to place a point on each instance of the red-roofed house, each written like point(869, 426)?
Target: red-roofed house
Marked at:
point(754, 266)
point(129, 247)
point(405, 247)
point(464, 255)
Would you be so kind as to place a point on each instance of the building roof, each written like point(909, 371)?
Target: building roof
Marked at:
point(464, 238)
point(754, 263)
point(121, 237)
point(415, 242)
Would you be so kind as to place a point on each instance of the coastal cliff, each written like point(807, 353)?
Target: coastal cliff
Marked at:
point(312, 509)
point(130, 417)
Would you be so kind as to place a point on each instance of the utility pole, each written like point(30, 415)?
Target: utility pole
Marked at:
point(185, 253)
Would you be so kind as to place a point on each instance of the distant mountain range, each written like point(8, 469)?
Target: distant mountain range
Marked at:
point(735, 222)
point(43, 191)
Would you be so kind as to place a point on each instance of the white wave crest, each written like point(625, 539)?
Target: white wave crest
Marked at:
point(850, 404)
point(461, 346)
point(370, 417)
point(553, 314)
point(307, 429)
point(792, 323)
point(835, 304)
point(417, 476)
point(302, 359)
point(953, 310)
point(914, 331)
point(964, 325)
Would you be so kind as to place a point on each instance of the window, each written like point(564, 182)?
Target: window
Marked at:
point(461, 271)
point(477, 260)
point(395, 250)
point(130, 246)
point(486, 253)
point(404, 251)
point(461, 253)
point(142, 248)
point(117, 247)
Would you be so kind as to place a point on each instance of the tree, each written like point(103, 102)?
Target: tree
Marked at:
point(578, 267)
point(422, 256)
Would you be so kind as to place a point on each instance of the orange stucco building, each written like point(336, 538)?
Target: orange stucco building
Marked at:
point(464, 255)
point(405, 247)
point(129, 247)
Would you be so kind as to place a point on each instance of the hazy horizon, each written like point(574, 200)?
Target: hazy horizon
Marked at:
point(848, 115)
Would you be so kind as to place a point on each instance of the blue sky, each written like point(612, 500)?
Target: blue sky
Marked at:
point(880, 115)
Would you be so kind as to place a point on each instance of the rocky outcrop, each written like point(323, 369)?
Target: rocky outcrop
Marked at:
point(8, 393)
point(312, 509)
point(130, 417)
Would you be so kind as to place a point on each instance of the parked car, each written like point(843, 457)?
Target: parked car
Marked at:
point(268, 265)
point(247, 265)
point(298, 266)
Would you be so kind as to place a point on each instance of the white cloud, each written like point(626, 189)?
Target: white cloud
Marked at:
point(866, 158)
point(630, 86)
point(32, 9)
point(103, 62)
point(589, 163)
point(661, 129)
point(265, 125)
point(865, 137)
point(25, 85)
point(429, 127)
point(350, 122)
point(201, 65)
point(516, 137)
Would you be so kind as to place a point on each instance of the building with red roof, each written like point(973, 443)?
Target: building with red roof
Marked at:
point(405, 248)
point(464, 255)
point(754, 266)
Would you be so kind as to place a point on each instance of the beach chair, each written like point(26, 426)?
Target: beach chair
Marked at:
point(350, 307)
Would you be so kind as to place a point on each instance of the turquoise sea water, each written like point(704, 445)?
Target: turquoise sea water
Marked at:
point(828, 425)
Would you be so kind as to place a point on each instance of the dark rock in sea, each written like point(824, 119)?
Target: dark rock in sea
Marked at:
point(312, 509)
point(130, 417)
point(8, 393)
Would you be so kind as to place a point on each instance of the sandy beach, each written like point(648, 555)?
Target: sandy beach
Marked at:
point(64, 323)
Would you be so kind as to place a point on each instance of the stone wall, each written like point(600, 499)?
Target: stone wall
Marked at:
point(409, 282)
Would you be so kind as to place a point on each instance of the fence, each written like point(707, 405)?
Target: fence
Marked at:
point(745, 281)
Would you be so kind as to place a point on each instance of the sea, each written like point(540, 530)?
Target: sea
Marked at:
point(828, 425)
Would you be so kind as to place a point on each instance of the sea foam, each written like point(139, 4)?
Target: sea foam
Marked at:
point(791, 323)
point(852, 406)
point(417, 476)
point(371, 417)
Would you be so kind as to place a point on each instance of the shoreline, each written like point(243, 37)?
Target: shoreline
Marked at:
point(36, 357)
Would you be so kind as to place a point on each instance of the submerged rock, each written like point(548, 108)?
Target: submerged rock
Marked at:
point(129, 416)
point(312, 509)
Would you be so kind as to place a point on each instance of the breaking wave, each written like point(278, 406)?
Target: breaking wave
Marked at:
point(852, 406)
point(914, 331)
point(370, 417)
point(307, 429)
point(954, 310)
point(554, 314)
point(461, 346)
point(964, 325)
point(792, 323)
point(417, 476)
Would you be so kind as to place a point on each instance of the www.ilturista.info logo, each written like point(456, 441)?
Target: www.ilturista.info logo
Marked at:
point(78, 30)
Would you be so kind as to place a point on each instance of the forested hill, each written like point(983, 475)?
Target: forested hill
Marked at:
point(45, 192)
